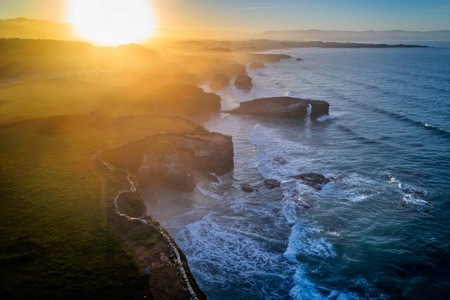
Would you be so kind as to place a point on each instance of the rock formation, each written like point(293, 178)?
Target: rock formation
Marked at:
point(272, 183)
point(319, 108)
point(243, 81)
point(247, 188)
point(282, 107)
point(314, 180)
point(280, 160)
point(170, 159)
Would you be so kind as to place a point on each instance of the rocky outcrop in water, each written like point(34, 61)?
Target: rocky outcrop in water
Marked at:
point(247, 188)
point(319, 108)
point(314, 180)
point(272, 183)
point(244, 81)
point(280, 160)
point(283, 108)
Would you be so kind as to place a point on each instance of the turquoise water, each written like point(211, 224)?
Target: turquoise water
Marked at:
point(380, 229)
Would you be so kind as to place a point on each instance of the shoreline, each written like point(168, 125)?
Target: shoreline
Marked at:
point(174, 248)
point(144, 223)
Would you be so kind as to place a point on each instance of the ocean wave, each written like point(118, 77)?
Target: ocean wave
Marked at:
point(215, 245)
point(410, 194)
point(306, 289)
point(305, 240)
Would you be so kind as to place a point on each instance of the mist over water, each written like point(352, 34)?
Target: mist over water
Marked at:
point(380, 229)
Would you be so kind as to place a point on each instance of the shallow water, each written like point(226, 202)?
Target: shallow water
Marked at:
point(380, 229)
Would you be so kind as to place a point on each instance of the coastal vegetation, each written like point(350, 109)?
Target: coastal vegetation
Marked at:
point(57, 237)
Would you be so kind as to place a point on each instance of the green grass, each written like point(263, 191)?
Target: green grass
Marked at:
point(55, 242)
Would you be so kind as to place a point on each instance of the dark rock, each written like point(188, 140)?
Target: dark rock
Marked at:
point(220, 81)
point(272, 183)
point(413, 192)
point(247, 188)
point(282, 107)
point(274, 107)
point(314, 180)
point(280, 160)
point(299, 59)
point(243, 81)
point(319, 108)
point(256, 65)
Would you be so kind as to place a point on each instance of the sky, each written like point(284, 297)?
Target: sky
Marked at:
point(263, 15)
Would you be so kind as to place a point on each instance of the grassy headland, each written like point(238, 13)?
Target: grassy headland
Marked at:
point(57, 242)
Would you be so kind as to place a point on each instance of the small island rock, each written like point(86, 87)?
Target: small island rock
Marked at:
point(243, 81)
point(314, 180)
point(272, 183)
point(283, 108)
point(247, 188)
point(280, 160)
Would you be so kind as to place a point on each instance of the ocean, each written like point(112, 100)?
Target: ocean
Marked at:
point(380, 229)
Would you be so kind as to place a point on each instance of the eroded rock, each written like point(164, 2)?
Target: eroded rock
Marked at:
point(247, 188)
point(282, 107)
point(243, 81)
point(280, 160)
point(170, 159)
point(314, 180)
point(272, 183)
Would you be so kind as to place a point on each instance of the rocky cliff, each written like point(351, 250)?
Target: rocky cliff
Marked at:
point(170, 159)
point(166, 159)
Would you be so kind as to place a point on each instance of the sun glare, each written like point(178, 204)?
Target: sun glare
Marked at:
point(112, 22)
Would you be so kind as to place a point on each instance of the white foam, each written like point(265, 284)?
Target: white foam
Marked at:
point(226, 249)
point(325, 118)
point(208, 193)
point(409, 193)
point(305, 240)
point(304, 289)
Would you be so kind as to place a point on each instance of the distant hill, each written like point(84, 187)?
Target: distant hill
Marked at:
point(37, 29)
point(40, 29)
point(336, 35)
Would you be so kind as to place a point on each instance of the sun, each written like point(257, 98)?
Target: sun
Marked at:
point(112, 22)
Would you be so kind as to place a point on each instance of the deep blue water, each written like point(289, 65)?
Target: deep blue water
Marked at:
point(380, 229)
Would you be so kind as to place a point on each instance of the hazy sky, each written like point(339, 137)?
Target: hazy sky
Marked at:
point(260, 15)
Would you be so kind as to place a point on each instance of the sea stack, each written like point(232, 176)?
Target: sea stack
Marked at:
point(283, 108)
